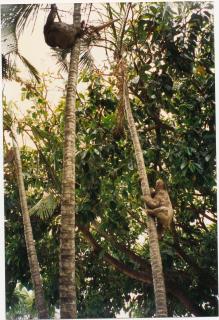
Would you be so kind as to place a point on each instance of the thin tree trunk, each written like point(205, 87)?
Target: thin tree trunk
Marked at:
point(156, 262)
point(31, 250)
point(67, 287)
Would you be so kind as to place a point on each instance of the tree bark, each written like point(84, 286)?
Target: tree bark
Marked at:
point(156, 262)
point(31, 250)
point(67, 287)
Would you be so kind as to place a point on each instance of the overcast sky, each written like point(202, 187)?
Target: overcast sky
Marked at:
point(33, 47)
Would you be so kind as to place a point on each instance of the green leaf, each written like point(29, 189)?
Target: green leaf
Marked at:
point(183, 165)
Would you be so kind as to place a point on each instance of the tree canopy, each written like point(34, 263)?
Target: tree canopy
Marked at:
point(170, 65)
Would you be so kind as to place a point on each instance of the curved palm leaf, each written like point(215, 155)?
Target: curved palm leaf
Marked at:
point(13, 20)
point(16, 15)
point(61, 56)
point(45, 207)
point(30, 67)
point(86, 59)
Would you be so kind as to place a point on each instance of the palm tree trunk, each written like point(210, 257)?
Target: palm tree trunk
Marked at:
point(67, 287)
point(31, 250)
point(156, 262)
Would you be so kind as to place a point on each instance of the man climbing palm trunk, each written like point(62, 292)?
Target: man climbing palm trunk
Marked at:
point(156, 262)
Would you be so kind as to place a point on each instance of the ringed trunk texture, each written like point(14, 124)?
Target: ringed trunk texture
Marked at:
point(156, 262)
point(31, 250)
point(67, 287)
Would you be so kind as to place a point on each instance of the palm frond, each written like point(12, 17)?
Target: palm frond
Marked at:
point(9, 41)
point(10, 14)
point(61, 57)
point(86, 60)
point(17, 15)
point(13, 18)
point(30, 67)
point(4, 67)
point(45, 207)
point(28, 13)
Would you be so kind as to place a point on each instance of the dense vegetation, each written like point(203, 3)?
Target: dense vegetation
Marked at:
point(170, 62)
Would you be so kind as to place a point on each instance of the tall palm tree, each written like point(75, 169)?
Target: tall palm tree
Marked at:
point(31, 250)
point(156, 262)
point(14, 18)
point(67, 288)
point(122, 84)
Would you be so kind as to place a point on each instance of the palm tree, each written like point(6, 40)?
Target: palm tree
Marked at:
point(31, 250)
point(67, 243)
point(156, 262)
point(122, 84)
point(14, 18)
point(67, 288)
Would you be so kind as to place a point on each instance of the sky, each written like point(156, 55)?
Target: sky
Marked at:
point(33, 47)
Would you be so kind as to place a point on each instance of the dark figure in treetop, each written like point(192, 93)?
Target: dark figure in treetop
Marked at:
point(63, 35)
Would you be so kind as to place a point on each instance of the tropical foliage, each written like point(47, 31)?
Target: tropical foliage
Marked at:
point(170, 68)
